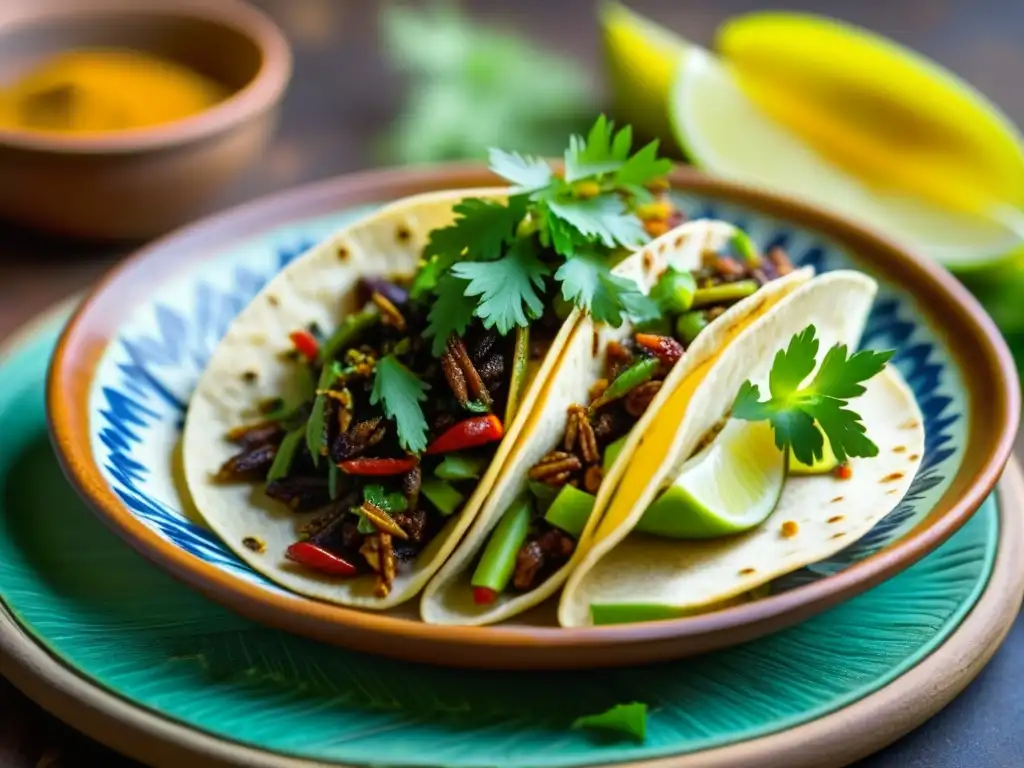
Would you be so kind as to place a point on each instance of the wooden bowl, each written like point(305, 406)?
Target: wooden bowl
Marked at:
point(126, 364)
point(140, 183)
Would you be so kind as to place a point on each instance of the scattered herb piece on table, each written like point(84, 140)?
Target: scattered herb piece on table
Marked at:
point(629, 719)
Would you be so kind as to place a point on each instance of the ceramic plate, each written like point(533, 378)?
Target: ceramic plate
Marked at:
point(125, 367)
point(110, 643)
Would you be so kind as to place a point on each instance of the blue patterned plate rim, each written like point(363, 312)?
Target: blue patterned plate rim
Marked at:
point(134, 395)
point(153, 634)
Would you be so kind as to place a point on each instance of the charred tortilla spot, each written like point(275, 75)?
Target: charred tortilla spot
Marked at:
point(249, 377)
point(891, 477)
point(835, 518)
point(747, 571)
point(254, 544)
point(595, 344)
point(648, 261)
point(837, 499)
point(272, 300)
point(790, 529)
point(914, 456)
point(891, 492)
point(343, 253)
point(679, 241)
point(838, 535)
point(909, 424)
point(403, 234)
point(899, 449)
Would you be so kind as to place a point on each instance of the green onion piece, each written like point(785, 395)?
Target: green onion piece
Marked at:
point(475, 406)
point(638, 373)
point(630, 719)
point(570, 510)
point(442, 495)
point(285, 455)
point(662, 326)
point(543, 493)
point(689, 325)
point(315, 432)
point(517, 382)
point(741, 244)
point(460, 466)
point(498, 562)
point(723, 292)
point(628, 613)
point(674, 291)
point(333, 476)
point(350, 329)
point(611, 453)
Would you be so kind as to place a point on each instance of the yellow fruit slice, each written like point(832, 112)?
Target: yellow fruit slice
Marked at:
point(641, 59)
point(878, 110)
point(728, 135)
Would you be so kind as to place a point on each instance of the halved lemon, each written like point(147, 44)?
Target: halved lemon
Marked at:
point(730, 486)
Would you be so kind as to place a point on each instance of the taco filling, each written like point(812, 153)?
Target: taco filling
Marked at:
point(538, 533)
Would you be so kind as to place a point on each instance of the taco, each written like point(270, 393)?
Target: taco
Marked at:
point(724, 510)
point(355, 415)
point(707, 283)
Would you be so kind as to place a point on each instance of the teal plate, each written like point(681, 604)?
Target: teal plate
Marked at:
point(126, 626)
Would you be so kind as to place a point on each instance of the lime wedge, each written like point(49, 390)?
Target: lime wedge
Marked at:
point(726, 134)
point(824, 465)
point(730, 486)
point(641, 59)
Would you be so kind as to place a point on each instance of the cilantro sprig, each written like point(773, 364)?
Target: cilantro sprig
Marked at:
point(794, 410)
point(556, 231)
point(400, 392)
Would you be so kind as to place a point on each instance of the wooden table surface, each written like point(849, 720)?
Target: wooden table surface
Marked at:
point(344, 94)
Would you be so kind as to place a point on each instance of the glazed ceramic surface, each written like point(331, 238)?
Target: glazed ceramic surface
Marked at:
point(121, 622)
point(119, 431)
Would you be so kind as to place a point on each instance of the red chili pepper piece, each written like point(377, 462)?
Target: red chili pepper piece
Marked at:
point(319, 559)
point(377, 467)
point(665, 348)
point(469, 433)
point(305, 343)
point(484, 595)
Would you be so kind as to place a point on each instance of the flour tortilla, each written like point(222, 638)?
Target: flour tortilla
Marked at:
point(319, 287)
point(623, 567)
point(447, 599)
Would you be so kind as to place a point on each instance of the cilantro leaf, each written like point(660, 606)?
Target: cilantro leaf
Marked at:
point(588, 282)
point(451, 313)
point(507, 287)
point(630, 719)
point(527, 173)
point(389, 502)
point(794, 411)
point(400, 393)
point(604, 218)
point(642, 168)
point(601, 152)
point(480, 230)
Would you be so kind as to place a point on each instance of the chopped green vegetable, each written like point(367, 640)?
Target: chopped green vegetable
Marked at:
point(570, 510)
point(475, 406)
point(333, 478)
point(389, 502)
point(285, 454)
point(660, 326)
point(674, 290)
point(793, 411)
point(351, 328)
point(498, 561)
point(630, 719)
point(517, 381)
point(442, 495)
point(611, 453)
point(460, 466)
point(690, 324)
point(744, 247)
point(316, 434)
point(638, 373)
point(717, 294)
point(401, 392)
point(543, 493)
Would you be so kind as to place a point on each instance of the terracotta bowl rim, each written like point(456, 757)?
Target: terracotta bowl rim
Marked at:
point(261, 92)
point(68, 423)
